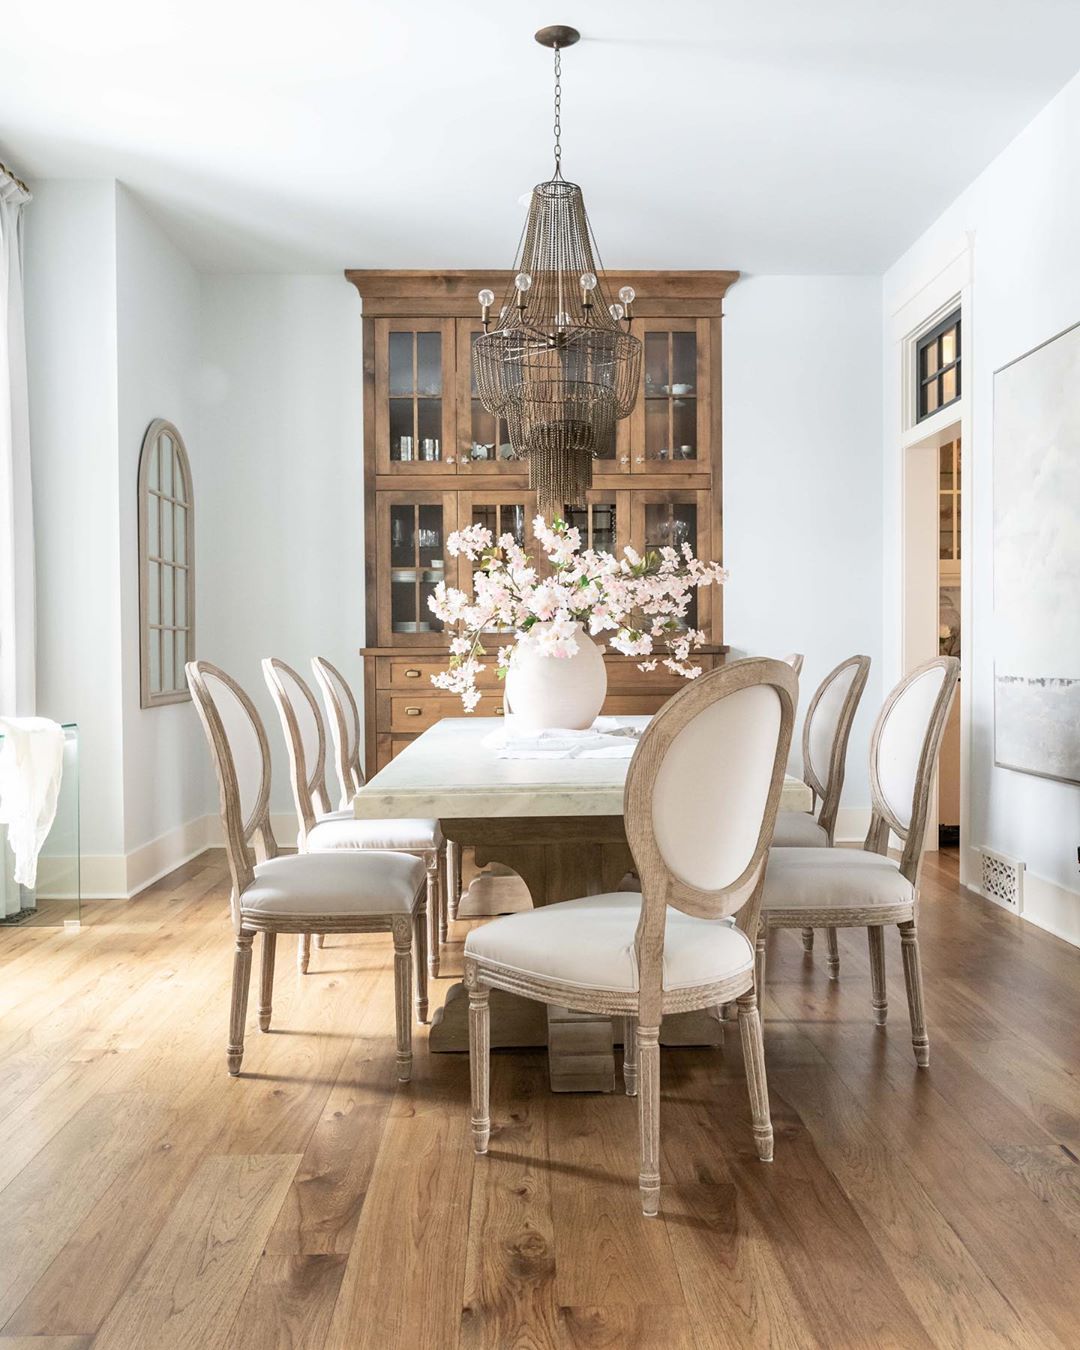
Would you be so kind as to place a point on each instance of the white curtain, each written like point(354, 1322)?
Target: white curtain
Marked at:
point(16, 513)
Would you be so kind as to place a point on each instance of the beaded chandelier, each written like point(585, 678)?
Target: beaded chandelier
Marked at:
point(559, 363)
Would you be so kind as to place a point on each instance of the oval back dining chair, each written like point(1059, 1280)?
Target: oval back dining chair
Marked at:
point(700, 802)
point(795, 661)
point(297, 893)
point(849, 888)
point(324, 831)
point(345, 727)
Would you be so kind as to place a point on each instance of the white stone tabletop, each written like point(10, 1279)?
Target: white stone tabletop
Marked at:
point(447, 773)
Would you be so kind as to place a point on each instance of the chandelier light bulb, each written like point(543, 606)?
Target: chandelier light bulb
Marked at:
point(588, 281)
point(627, 295)
point(523, 281)
point(486, 297)
point(616, 311)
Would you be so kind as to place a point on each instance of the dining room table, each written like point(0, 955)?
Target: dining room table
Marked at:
point(550, 808)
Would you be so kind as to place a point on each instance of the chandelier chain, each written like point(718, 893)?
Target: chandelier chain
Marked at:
point(558, 111)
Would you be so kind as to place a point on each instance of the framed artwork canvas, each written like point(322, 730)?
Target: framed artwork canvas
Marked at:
point(1037, 560)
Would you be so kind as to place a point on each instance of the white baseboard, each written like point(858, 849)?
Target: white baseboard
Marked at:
point(1052, 907)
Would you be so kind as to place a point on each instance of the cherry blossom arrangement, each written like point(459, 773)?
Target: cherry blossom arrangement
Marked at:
point(640, 600)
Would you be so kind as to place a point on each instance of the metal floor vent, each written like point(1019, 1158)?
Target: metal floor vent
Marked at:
point(1003, 880)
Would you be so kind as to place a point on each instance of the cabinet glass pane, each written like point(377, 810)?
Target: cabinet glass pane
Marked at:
point(402, 429)
point(153, 592)
point(429, 428)
point(684, 363)
point(429, 363)
point(181, 658)
point(416, 566)
point(596, 523)
point(670, 525)
point(657, 377)
point(400, 360)
point(180, 534)
point(430, 536)
point(684, 428)
point(657, 428)
point(402, 536)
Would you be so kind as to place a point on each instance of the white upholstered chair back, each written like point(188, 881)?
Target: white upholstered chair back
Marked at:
point(701, 797)
point(826, 732)
point(903, 750)
point(305, 739)
point(345, 730)
point(241, 756)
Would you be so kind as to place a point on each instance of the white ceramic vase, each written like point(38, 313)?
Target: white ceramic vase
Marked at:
point(556, 691)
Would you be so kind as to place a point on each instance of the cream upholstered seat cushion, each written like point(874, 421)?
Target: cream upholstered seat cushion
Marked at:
point(303, 884)
point(341, 829)
point(589, 944)
point(798, 829)
point(837, 878)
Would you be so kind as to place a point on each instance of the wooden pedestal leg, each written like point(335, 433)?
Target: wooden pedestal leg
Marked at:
point(876, 937)
point(629, 1060)
point(266, 982)
point(808, 939)
point(432, 860)
point(480, 1065)
point(648, 1048)
point(453, 879)
point(833, 945)
point(303, 953)
point(241, 979)
point(420, 969)
point(320, 941)
point(909, 949)
point(754, 1060)
point(402, 930)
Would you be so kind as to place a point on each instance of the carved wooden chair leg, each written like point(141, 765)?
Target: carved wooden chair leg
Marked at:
point(909, 949)
point(480, 1065)
point(759, 959)
point(833, 944)
point(403, 979)
point(266, 982)
point(629, 1056)
point(753, 1045)
point(808, 939)
point(303, 953)
point(241, 978)
point(444, 892)
point(420, 970)
point(648, 1049)
point(876, 936)
point(320, 940)
point(432, 860)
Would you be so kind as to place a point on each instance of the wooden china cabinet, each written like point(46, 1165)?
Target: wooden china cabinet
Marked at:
point(435, 460)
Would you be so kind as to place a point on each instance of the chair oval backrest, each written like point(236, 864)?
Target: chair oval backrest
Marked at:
point(345, 730)
point(241, 757)
point(904, 746)
point(305, 739)
point(795, 661)
point(827, 730)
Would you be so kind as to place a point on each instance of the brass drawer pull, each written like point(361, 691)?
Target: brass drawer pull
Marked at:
point(500, 711)
point(412, 674)
point(412, 712)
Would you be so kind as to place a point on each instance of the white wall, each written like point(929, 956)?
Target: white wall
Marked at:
point(281, 534)
point(165, 766)
point(802, 485)
point(70, 265)
point(1023, 215)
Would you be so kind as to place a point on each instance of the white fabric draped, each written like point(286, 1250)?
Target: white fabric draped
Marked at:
point(16, 511)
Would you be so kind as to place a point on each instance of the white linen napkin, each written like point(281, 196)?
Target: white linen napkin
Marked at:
point(31, 766)
point(607, 738)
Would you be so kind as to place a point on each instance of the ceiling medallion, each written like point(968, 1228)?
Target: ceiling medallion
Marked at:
point(559, 362)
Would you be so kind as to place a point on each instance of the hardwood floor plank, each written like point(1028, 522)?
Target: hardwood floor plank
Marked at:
point(629, 1327)
point(189, 1288)
point(45, 1342)
point(288, 1304)
point(1053, 1174)
point(509, 1297)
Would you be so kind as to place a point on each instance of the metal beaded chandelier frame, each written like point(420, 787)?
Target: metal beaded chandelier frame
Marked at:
point(561, 365)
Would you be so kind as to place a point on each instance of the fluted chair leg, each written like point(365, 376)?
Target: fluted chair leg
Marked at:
point(648, 1048)
point(420, 970)
point(909, 949)
point(303, 953)
point(266, 982)
point(630, 1058)
point(759, 959)
point(432, 861)
point(876, 937)
point(443, 883)
point(480, 1065)
point(833, 944)
point(753, 1045)
point(808, 939)
point(402, 930)
point(241, 979)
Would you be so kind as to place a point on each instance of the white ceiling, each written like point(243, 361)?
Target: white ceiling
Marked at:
point(779, 136)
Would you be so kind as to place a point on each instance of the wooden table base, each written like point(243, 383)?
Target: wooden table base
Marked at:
point(558, 858)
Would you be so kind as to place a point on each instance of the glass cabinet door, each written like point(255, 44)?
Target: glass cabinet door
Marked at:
point(670, 519)
point(502, 512)
point(604, 521)
point(414, 396)
point(483, 440)
point(411, 528)
point(670, 424)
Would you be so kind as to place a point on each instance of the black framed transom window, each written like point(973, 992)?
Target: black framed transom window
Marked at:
point(938, 366)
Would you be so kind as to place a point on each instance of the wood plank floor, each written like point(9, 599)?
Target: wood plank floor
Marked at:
point(148, 1201)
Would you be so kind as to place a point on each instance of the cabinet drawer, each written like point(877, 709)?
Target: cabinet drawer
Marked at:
point(413, 715)
point(415, 676)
